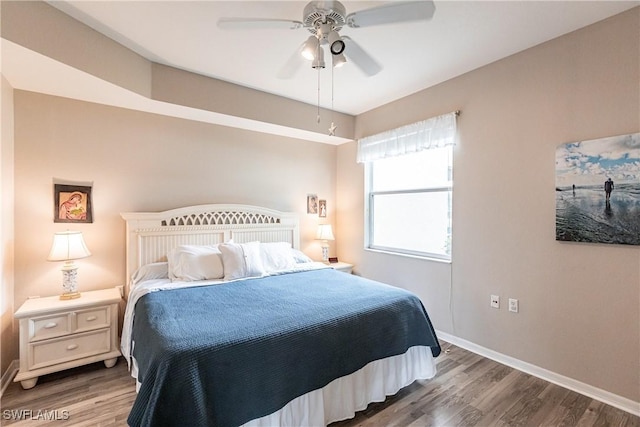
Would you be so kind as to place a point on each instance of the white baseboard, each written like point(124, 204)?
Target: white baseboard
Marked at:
point(604, 396)
point(8, 375)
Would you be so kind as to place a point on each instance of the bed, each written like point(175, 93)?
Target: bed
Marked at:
point(227, 323)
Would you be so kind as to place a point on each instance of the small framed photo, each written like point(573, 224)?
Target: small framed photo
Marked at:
point(312, 203)
point(72, 203)
point(322, 208)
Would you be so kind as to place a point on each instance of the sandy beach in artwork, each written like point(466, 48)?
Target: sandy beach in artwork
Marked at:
point(585, 216)
point(598, 190)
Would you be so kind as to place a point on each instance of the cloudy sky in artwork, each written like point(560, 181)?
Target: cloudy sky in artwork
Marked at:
point(592, 162)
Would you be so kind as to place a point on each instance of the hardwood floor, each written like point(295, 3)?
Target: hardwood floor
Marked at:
point(90, 395)
point(469, 390)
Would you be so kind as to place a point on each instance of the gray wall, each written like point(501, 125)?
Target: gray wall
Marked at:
point(8, 344)
point(145, 162)
point(579, 303)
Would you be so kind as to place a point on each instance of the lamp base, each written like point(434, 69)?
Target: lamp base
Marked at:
point(69, 281)
point(70, 295)
point(325, 253)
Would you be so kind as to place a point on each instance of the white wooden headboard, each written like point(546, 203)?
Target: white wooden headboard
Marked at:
point(150, 235)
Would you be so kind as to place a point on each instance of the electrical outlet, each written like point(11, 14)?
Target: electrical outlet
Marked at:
point(495, 301)
point(513, 305)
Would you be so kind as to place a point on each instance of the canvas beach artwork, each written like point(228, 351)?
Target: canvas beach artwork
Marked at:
point(598, 190)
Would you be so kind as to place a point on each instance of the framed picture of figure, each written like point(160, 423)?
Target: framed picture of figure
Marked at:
point(322, 208)
point(72, 203)
point(598, 190)
point(312, 203)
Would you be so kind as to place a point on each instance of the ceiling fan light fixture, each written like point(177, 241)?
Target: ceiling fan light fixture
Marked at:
point(318, 61)
point(309, 48)
point(338, 60)
point(336, 44)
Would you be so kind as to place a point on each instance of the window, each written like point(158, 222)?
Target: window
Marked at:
point(409, 203)
point(408, 196)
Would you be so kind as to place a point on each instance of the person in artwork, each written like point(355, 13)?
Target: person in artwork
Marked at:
point(72, 208)
point(608, 187)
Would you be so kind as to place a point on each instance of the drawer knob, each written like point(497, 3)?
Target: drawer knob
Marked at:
point(50, 325)
point(91, 318)
point(72, 347)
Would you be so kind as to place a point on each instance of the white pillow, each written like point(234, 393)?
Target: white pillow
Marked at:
point(154, 270)
point(189, 263)
point(241, 260)
point(277, 256)
point(299, 256)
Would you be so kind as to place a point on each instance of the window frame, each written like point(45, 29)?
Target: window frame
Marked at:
point(369, 219)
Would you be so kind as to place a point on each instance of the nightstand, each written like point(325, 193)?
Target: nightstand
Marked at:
point(60, 334)
point(342, 266)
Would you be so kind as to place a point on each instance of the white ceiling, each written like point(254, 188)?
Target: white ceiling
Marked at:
point(462, 36)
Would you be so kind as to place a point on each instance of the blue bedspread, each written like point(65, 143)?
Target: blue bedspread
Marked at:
point(226, 354)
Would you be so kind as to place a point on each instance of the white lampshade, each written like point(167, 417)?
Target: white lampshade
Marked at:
point(68, 245)
point(318, 61)
point(324, 232)
point(336, 44)
point(310, 48)
point(338, 60)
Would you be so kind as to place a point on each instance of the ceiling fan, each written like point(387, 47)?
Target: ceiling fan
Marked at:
point(324, 19)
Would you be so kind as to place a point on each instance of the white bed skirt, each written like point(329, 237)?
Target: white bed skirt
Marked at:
point(343, 397)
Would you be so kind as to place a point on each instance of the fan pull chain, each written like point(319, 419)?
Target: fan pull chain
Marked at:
point(332, 128)
point(317, 56)
point(318, 116)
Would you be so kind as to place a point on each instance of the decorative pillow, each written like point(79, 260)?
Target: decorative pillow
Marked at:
point(155, 270)
point(189, 263)
point(241, 260)
point(299, 256)
point(277, 256)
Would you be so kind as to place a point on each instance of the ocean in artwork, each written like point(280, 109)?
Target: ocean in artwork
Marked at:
point(583, 211)
point(585, 215)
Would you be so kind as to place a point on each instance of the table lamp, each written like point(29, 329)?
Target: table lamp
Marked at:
point(68, 246)
point(325, 233)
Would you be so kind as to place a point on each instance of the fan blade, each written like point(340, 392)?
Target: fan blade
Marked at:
point(360, 58)
point(258, 24)
point(291, 67)
point(392, 13)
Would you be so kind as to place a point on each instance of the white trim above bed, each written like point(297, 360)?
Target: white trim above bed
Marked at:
point(150, 235)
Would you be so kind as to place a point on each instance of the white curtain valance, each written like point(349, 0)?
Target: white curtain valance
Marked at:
point(435, 132)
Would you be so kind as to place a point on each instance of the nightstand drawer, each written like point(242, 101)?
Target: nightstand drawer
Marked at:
point(92, 319)
point(61, 350)
point(50, 326)
point(60, 334)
